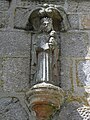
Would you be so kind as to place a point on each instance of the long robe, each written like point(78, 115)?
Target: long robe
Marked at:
point(44, 58)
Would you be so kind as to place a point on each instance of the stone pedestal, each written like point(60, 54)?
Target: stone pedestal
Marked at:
point(44, 99)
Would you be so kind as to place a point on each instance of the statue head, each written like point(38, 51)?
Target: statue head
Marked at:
point(46, 24)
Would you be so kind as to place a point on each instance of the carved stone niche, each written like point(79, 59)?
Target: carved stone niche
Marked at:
point(56, 21)
point(45, 96)
point(57, 13)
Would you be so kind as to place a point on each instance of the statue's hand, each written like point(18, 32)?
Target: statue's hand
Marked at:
point(45, 46)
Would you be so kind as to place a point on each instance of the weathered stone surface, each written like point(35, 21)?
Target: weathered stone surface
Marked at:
point(18, 2)
point(1, 67)
point(16, 74)
point(66, 74)
point(69, 112)
point(21, 17)
point(74, 44)
point(38, 2)
point(11, 109)
point(14, 44)
point(85, 21)
point(29, 3)
point(83, 6)
point(72, 5)
point(73, 21)
point(83, 68)
point(14, 70)
point(4, 19)
point(4, 5)
point(78, 6)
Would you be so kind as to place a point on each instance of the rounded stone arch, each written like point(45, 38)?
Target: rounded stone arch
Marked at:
point(33, 20)
point(59, 17)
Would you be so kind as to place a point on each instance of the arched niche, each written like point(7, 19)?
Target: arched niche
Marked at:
point(58, 15)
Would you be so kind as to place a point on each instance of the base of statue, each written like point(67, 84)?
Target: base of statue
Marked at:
point(44, 99)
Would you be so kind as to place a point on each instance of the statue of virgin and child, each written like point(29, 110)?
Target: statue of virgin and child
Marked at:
point(45, 53)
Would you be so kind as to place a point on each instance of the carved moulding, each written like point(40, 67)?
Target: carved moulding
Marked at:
point(57, 13)
point(44, 99)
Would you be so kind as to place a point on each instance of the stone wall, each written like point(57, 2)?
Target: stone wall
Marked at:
point(15, 58)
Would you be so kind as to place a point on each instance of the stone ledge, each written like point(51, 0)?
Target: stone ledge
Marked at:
point(45, 99)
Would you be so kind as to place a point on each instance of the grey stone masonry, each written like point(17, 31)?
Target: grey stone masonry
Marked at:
point(14, 44)
point(4, 15)
point(73, 21)
point(21, 17)
point(4, 5)
point(38, 2)
point(69, 112)
point(15, 48)
point(11, 109)
point(16, 74)
point(66, 73)
point(74, 44)
point(4, 18)
point(80, 6)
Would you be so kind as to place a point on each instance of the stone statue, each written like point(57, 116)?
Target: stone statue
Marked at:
point(45, 52)
point(44, 95)
point(46, 22)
